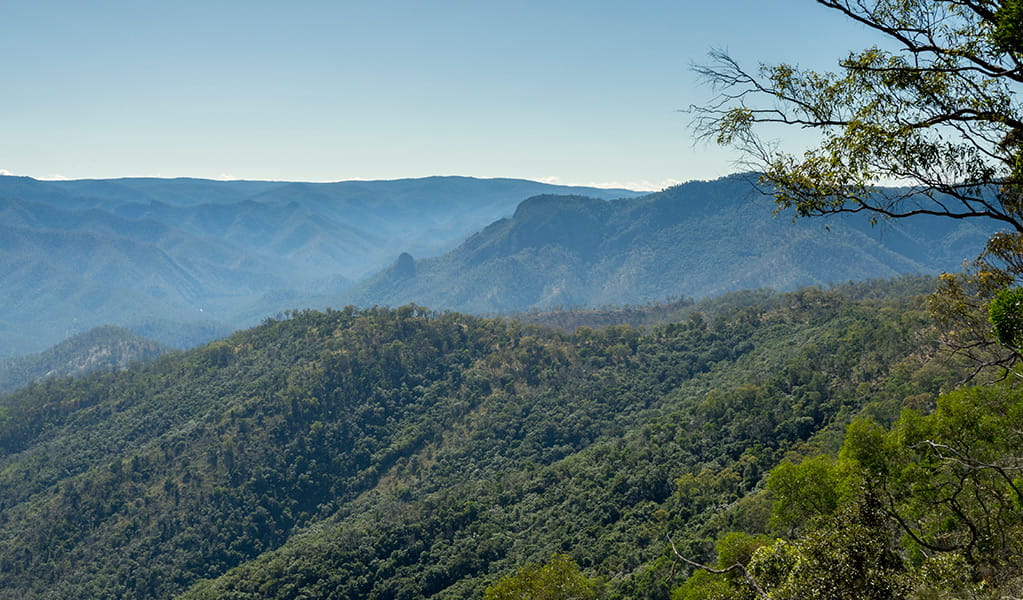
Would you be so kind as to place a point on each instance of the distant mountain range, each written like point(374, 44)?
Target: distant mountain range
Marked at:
point(183, 261)
point(694, 240)
point(186, 260)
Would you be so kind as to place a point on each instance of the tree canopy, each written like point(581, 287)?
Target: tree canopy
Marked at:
point(930, 506)
point(935, 111)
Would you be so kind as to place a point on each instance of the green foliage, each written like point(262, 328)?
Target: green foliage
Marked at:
point(931, 507)
point(705, 586)
point(884, 115)
point(805, 491)
point(1008, 31)
point(1005, 312)
point(736, 548)
point(849, 558)
point(557, 579)
point(946, 576)
point(954, 487)
point(937, 109)
point(407, 454)
point(772, 564)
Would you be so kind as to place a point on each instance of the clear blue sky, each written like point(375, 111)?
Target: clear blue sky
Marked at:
point(579, 92)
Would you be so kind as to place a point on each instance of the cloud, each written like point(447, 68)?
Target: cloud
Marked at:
point(639, 185)
point(226, 177)
point(55, 177)
point(5, 172)
point(642, 185)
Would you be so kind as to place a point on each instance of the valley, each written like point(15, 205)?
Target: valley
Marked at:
point(186, 261)
point(512, 301)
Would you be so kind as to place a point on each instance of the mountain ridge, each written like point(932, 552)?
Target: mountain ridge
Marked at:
point(144, 252)
point(694, 240)
point(173, 258)
point(104, 347)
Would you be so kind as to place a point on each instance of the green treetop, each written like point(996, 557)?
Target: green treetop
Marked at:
point(938, 115)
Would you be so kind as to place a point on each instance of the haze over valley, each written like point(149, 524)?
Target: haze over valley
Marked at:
point(511, 301)
point(183, 261)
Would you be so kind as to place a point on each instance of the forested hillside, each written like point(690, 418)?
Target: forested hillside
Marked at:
point(406, 454)
point(929, 506)
point(105, 347)
point(762, 418)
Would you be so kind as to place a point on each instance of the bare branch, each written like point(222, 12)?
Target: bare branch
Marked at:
point(737, 567)
point(950, 454)
point(912, 533)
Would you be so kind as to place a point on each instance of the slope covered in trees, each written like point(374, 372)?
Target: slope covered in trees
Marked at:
point(105, 347)
point(928, 507)
point(404, 454)
point(186, 261)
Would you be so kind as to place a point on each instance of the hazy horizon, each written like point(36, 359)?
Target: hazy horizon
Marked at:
point(572, 93)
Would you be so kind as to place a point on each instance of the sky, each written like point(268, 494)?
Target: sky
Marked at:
point(571, 92)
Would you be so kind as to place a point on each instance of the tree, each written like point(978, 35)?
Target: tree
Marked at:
point(951, 479)
point(558, 579)
point(939, 117)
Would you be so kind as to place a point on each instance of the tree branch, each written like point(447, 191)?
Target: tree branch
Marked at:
point(736, 567)
point(973, 464)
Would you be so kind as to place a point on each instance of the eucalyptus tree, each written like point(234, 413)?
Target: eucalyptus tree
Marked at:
point(929, 122)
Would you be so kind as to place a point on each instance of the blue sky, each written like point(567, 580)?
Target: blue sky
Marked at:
point(576, 92)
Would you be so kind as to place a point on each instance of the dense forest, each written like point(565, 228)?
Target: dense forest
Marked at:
point(401, 453)
point(929, 505)
point(861, 441)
